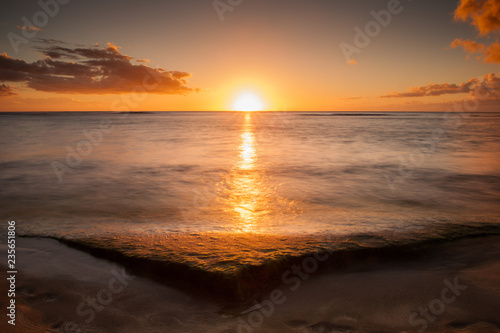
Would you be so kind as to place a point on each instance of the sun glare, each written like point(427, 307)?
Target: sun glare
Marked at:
point(248, 102)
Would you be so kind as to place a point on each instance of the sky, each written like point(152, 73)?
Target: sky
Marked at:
point(287, 55)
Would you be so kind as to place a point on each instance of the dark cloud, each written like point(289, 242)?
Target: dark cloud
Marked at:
point(490, 83)
point(90, 70)
point(6, 91)
point(436, 90)
point(488, 89)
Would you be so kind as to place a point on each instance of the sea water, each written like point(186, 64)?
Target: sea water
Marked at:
point(220, 189)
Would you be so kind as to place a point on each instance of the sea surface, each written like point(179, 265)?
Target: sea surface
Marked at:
point(220, 190)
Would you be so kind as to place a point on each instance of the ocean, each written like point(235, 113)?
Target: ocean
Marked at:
point(222, 192)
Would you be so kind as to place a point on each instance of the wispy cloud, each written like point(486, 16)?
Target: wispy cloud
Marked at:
point(90, 70)
point(29, 28)
point(6, 91)
point(488, 54)
point(468, 45)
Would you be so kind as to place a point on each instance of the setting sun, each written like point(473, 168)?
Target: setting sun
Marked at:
point(248, 102)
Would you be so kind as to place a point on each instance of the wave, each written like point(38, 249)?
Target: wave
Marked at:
point(242, 266)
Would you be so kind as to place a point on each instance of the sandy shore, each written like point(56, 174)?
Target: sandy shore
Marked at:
point(454, 289)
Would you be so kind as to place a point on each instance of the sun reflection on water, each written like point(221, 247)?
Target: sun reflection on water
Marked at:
point(252, 199)
point(247, 199)
point(247, 151)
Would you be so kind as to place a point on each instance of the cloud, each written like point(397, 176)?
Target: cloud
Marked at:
point(487, 89)
point(489, 54)
point(112, 48)
point(491, 83)
point(6, 91)
point(492, 53)
point(436, 90)
point(91, 70)
point(469, 46)
point(29, 28)
point(483, 14)
point(353, 98)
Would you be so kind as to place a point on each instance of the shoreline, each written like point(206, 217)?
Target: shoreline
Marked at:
point(54, 280)
point(245, 266)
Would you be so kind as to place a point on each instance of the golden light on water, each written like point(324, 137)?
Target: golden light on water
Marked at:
point(251, 197)
point(247, 197)
point(247, 148)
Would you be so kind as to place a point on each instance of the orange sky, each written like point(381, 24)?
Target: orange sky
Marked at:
point(291, 55)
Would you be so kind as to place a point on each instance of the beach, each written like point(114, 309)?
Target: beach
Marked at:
point(233, 166)
point(252, 222)
point(364, 296)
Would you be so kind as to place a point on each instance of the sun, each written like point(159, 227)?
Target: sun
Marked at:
point(248, 102)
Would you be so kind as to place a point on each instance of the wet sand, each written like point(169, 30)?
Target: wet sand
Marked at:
point(60, 289)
